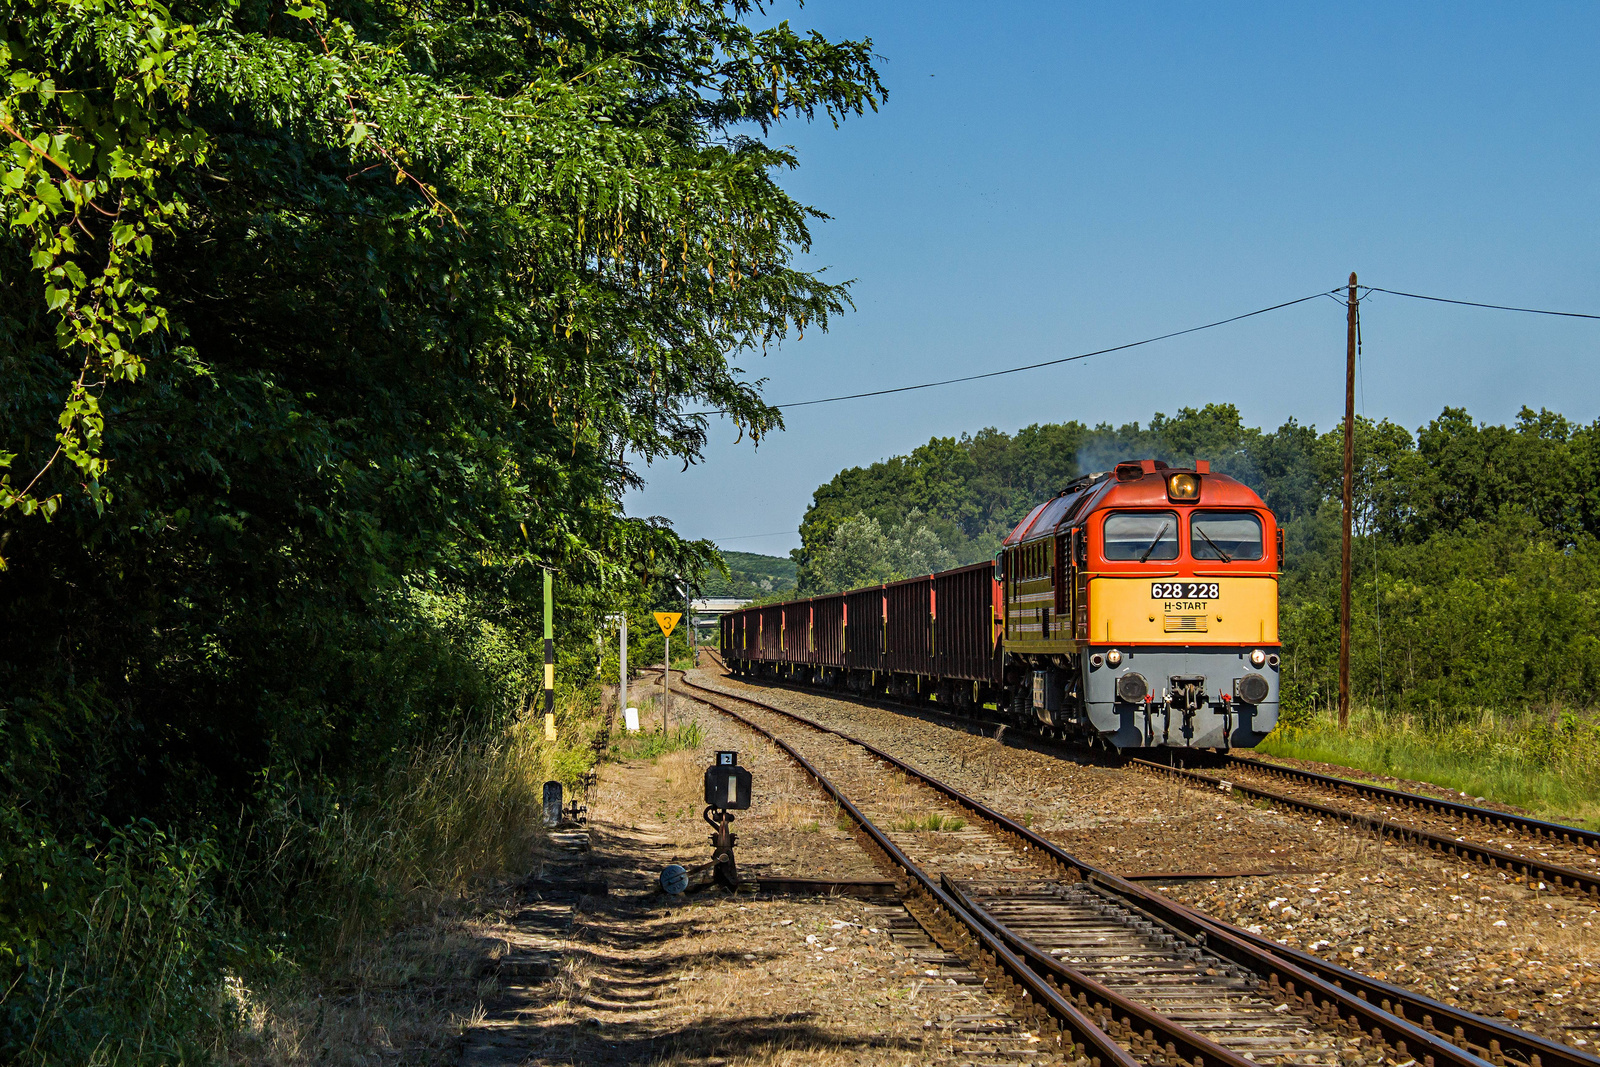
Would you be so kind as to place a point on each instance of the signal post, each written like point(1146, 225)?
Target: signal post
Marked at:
point(666, 620)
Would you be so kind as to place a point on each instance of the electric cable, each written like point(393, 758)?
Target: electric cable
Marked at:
point(1334, 294)
point(747, 537)
point(1476, 304)
point(1033, 366)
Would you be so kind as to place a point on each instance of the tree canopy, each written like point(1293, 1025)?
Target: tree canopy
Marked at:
point(325, 327)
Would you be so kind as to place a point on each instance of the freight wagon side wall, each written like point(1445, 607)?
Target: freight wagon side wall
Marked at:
point(797, 631)
point(771, 633)
point(827, 631)
point(907, 631)
point(863, 648)
point(963, 629)
point(741, 632)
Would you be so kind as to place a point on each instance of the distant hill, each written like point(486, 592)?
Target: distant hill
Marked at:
point(752, 575)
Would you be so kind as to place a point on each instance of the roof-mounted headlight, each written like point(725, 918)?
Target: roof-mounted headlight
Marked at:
point(1183, 487)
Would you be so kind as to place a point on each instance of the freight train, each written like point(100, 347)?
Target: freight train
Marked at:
point(1137, 608)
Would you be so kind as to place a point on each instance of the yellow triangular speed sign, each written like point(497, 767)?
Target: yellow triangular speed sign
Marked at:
point(667, 620)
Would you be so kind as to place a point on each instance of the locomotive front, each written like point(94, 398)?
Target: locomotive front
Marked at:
point(1164, 629)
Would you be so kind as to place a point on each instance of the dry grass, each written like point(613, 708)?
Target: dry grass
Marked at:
point(410, 878)
point(683, 775)
point(932, 823)
point(403, 999)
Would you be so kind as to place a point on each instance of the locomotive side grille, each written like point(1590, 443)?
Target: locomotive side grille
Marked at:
point(1186, 624)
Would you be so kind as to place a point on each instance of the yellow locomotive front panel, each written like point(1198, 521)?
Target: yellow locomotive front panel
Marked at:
point(1178, 609)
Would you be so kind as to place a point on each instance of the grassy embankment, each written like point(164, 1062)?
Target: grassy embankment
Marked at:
point(1548, 764)
point(401, 887)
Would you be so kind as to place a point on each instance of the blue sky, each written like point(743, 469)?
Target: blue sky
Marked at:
point(1050, 178)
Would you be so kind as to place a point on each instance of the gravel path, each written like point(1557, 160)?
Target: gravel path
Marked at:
point(713, 979)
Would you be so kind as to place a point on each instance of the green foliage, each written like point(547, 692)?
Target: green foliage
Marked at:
point(861, 552)
point(649, 744)
point(751, 575)
point(111, 947)
point(975, 488)
point(93, 100)
point(324, 328)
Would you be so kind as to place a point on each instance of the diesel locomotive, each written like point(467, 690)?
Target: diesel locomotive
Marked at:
point(1137, 608)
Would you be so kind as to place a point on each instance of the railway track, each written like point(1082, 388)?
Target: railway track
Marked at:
point(1107, 960)
point(1531, 850)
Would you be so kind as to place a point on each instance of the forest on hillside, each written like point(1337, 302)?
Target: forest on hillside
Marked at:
point(1477, 569)
point(751, 575)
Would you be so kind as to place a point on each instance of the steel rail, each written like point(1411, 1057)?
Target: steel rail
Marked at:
point(1324, 998)
point(1042, 998)
point(1096, 1003)
point(1496, 1041)
point(1561, 876)
point(1356, 994)
point(1535, 827)
point(1096, 997)
point(1587, 882)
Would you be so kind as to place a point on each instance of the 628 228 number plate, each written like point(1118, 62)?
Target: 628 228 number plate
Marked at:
point(1184, 591)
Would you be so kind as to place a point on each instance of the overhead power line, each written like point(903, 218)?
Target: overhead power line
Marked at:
point(1475, 304)
point(747, 537)
point(1336, 294)
point(1036, 366)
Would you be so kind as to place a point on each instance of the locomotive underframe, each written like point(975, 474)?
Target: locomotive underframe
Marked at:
point(1195, 696)
point(1070, 696)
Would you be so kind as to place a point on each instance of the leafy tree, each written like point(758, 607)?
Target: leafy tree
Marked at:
point(862, 552)
point(324, 328)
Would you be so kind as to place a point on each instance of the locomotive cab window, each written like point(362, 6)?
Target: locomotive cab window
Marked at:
point(1224, 535)
point(1141, 536)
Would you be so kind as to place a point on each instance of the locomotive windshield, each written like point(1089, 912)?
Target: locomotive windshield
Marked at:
point(1142, 536)
point(1224, 535)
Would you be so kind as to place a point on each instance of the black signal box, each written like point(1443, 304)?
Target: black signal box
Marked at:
point(727, 783)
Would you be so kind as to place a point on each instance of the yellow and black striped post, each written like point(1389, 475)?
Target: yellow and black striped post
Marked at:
point(549, 660)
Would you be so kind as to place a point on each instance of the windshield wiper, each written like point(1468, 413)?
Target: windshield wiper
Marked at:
point(1225, 557)
point(1159, 535)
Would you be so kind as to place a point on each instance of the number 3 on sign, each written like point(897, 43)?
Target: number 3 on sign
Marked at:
point(667, 620)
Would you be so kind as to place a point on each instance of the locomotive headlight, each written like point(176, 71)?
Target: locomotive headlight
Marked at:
point(1183, 487)
point(1113, 657)
point(1258, 658)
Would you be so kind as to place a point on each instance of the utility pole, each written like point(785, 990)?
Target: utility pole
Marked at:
point(688, 613)
point(549, 659)
point(1351, 305)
